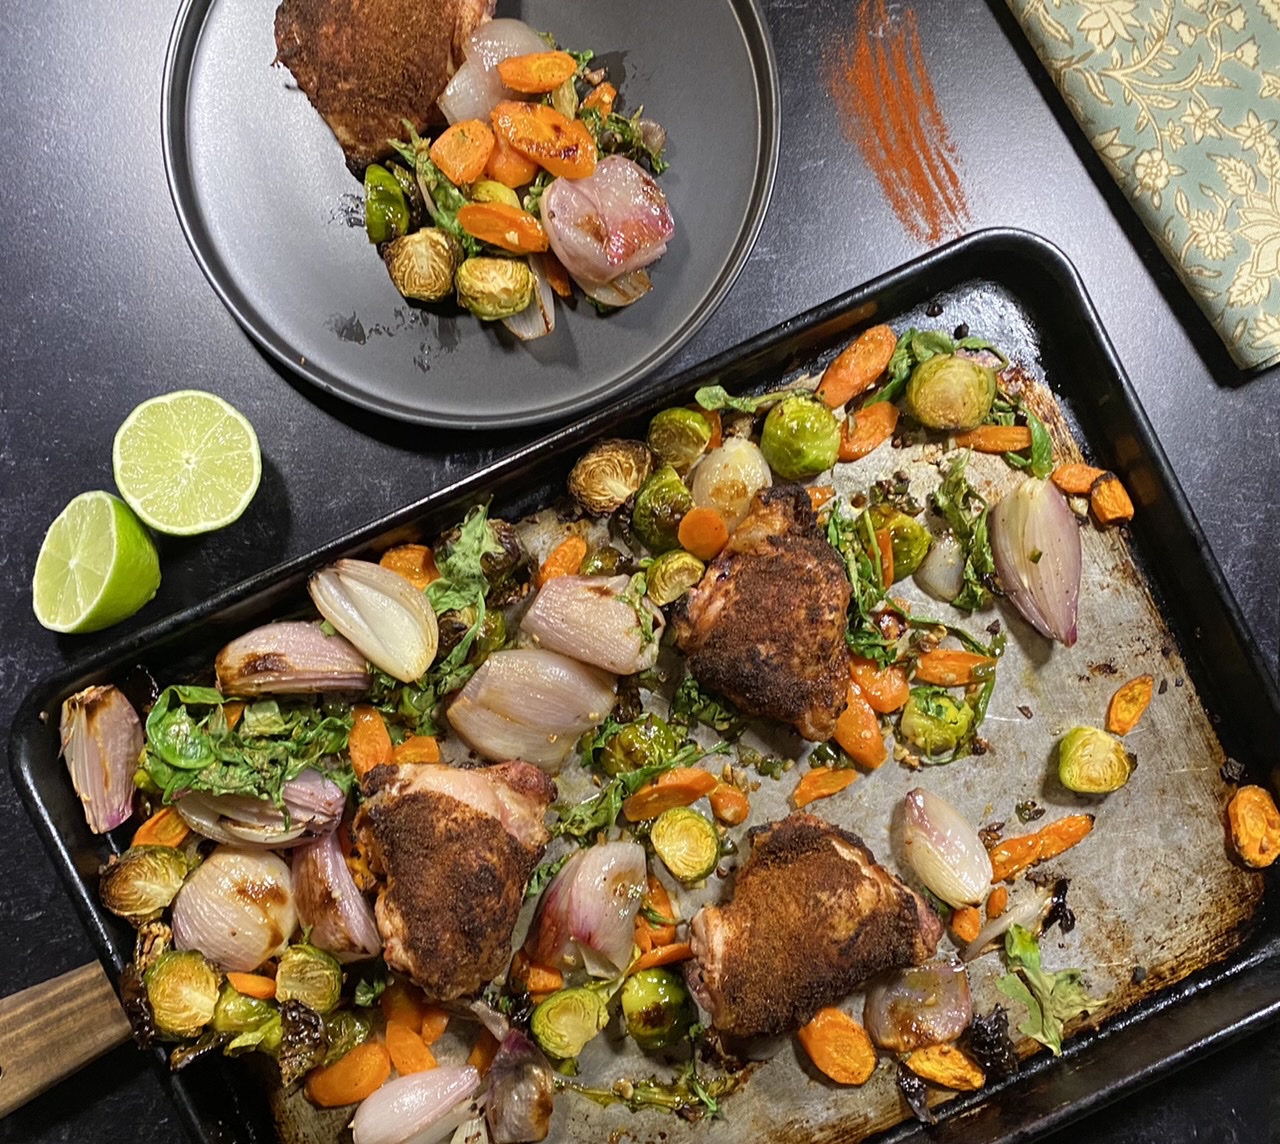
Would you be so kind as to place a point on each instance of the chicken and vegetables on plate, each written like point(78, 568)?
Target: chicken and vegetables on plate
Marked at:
point(735, 747)
point(498, 169)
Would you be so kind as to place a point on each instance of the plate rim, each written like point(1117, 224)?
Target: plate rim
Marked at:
point(180, 55)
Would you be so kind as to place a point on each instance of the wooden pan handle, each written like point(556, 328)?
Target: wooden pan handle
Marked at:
point(54, 1029)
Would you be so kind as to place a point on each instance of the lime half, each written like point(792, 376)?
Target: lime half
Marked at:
point(97, 566)
point(186, 462)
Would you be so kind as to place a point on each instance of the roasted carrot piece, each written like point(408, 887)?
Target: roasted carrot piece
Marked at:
point(403, 1003)
point(703, 532)
point(557, 275)
point(678, 787)
point(409, 1052)
point(537, 72)
point(563, 146)
point(415, 562)
point(858, 730)
point(884, 541)
point(504, 226)
point(564, 559)
point(839, 1046)
point(1255, 826)
point(865, 431)
point(947, 1066)
point(1109, 501)
point(820, 496)
point(1011, 856)
point(966, 923)
point(352, 1077)
point(951, 667)
point(717, 427)
point(231, 712)
point(534, 977)
point(1076, 480)
point(483, 1051)
point(730, 805)
point(658, 900)
point(434, 1022)
point(1128, 704)
point(995, 438)
point(601, 98)
point(885, 688)
point(507, 166)
point(416, 749)
point(997, 902)
point(252, 984)
point(662, 955)
point(822, 782)
point(461, 151)
point(164, 828)
point(368, 744)
point(857, 366)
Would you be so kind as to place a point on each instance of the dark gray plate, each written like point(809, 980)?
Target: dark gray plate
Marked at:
point(266, 202)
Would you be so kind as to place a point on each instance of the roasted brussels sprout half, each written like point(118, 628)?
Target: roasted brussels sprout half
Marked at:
point(422, 264)
point(250, 1022)
point(345, 1029)
point(934, 721)
point(800, 438)
point(491, 191)
point(656, 1008)
point(182, 989)
point(303, 1041)
point(609, 474)
point(143, 881)
point(687, 843)
point(659, 508)
point(504, 552)
point(1090, 761)
point(386, 210)
point(493, 288)
point(308, 974)
point(950, 392)
point(672, 574)
point(679, 437)
point(909, 538)
point(603, 561)
point(564, 1023)
point(455, 623)
point(641, 743)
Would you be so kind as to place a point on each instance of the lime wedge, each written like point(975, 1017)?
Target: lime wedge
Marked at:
point(97, 566)
point(186, 462)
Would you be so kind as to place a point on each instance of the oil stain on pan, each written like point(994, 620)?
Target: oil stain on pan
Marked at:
point(887, 108)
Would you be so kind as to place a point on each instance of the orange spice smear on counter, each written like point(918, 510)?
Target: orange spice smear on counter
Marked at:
point(888, 109)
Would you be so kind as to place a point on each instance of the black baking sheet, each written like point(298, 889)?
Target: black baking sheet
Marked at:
point(1013, 287)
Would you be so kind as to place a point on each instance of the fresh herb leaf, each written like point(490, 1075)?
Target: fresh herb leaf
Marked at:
point(1051, 999)
point(543, 873)
point(854, 538)
point(691, 705)
point(713, 397)
point(617, 135)
point(370, 984)
point(191, 747)
point(1040, 462)
point(915, 346)
point(965, 511)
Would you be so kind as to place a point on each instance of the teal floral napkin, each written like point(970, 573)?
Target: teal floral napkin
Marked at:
point(1181, 101)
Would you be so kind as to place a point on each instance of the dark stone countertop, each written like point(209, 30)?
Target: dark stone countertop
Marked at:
point(103, 306)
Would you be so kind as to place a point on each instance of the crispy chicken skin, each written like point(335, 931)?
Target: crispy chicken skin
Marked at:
point(765, 627)
point(367, 64)
point(456, 848)
point(812, 917)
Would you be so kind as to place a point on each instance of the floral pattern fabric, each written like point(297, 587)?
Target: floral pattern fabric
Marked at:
point(1181, 99)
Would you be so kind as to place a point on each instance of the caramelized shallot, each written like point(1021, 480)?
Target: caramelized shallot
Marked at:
point(590, 619)
point(101, 741)
point(330, 904)
point(912, 1008)
point(944, 850)
point(293, 657)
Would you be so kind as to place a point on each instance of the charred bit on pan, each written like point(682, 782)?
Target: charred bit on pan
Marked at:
point(1232, 771)
point(1029, 810)
point(1025, 711)
point(988, 1042)
point(991, 834)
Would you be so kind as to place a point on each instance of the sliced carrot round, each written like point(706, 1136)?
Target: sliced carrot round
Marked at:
point(563, 146)
point(537, 72)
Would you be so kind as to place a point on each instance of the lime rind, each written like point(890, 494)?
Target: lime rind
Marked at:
point(96, 566)
point(187, 462)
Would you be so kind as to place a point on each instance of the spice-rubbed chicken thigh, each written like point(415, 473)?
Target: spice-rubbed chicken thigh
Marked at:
point(812, 917)
point(456, 848)
point(765, 627)
point(367, 64)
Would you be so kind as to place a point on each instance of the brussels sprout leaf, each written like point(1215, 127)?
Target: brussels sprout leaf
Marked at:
point(1051, 999)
